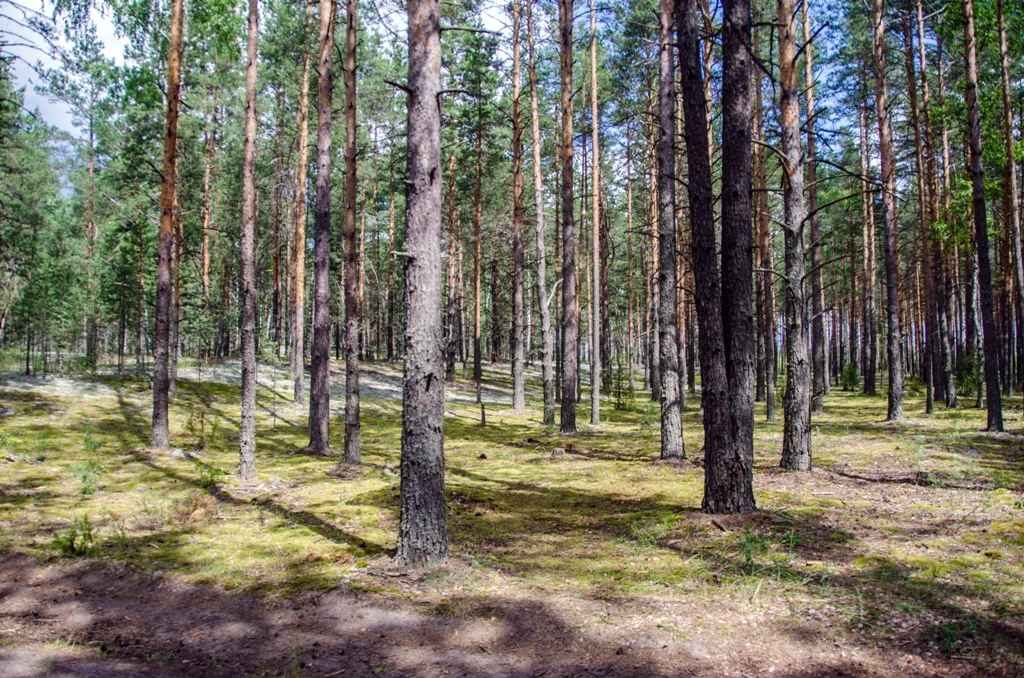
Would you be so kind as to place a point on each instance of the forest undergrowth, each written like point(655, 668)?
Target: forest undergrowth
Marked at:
point(902, 553)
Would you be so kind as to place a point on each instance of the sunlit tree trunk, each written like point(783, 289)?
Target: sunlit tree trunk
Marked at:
point(296, 354)
point(320, 354)
point(796, 437)
point(160, 436)
point(517, 348)
point(422, 516)
point(819, 357)
point(990, 340)
point(595, 348)
point(543, 301)
point(890, 227)
point(353, 252)
point(570, 315)
point(247, 427)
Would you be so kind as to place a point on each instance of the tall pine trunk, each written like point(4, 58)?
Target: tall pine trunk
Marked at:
point(570, 314)
point(422, 516)
point(296, 354)
point(247, 427)
point(890, 226)
point(595, 214)
point(160, 436)
point(352, 250)
point(320, 354)
point(671, 412)
point(796, 436)
point(990, 339)
point(819, 357)
point(543, 300)
point(517, 347)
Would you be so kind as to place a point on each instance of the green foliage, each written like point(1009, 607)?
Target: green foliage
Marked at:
point(209, 476)
point(850, 379)
point(965, 372)
point(78, 540)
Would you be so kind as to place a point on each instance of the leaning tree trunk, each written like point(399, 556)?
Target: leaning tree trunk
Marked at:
point(570, 315)
point(893, 348)
point(320, 354)
point(671, 412)
point(352, 250)
point(543, 302)
point(796, 436)
point(819, 357)
point(988, 322)
point(159, 437)
point(296, 355)
point(595, 213)
point(247, 427)
point(421, 530)
point(517, 348)
point(1011, 198)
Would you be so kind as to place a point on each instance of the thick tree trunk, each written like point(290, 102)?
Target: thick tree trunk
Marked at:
point(421, 531)
point(595, 247)
point(819, 357)
point(159, 436)
point(671, 413)
point(735, 485)
point(543, 301)
point(247, 427)
point(516, 347)
point(297, 360)
point(893, 347)
point(990, 340)
point(353, 310)
point(727, 486)
point(320, 354)
point(570, 315)
point(796, 437)
point(1011, 197)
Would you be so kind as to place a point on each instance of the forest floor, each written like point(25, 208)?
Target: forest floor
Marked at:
point(902, 554)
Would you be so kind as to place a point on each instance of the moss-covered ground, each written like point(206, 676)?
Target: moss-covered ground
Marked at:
point(906, 541)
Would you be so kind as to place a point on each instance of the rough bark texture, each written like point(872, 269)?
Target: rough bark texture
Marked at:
point(595, 246)
point(570, 313)
point(247, 426)
point(517, 348)
point(726, 485)
point(543, 301)
point(671, 413)
point(352, 250)
point(421, 532)
point(819, 357)
point(736, 469)
point(320, 353)
point(296, 353)
point(893, 347)
point(159, 437)
point(990, 339)
point(796, 435)
point(1011, 196)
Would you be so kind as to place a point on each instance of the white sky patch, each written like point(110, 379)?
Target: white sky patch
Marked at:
point(25, 75)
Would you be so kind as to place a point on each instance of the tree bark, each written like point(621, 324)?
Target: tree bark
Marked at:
point(422, 518)
point(297, 361)
point(320, 354)
point(517, 348)
point(159, 435)
point(671, 412)
point(1011, 197)
point(595, 348)
point(543, 301)
point(819, 357)
point(869, 346)
point(209, 148)
point(796, 436)
point(990, 340)
point(893, 347)
point(353, 254)
point(570, 315)
point(766, 258)
point(727, 487)
point(247, 426)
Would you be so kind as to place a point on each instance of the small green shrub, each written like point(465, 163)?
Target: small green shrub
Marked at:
point(209, 476)
point(88, 475)
point(79, 539)
point(850, 379)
